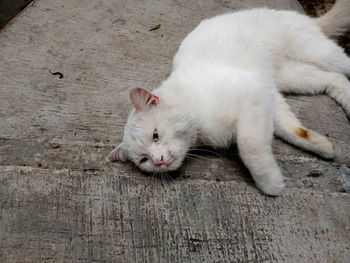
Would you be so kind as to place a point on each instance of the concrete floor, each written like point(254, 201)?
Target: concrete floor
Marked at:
point(61, 202)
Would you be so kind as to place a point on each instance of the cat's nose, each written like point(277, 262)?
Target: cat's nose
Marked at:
point(160, 161)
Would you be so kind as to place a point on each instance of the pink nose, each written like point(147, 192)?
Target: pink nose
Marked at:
point(160, 161)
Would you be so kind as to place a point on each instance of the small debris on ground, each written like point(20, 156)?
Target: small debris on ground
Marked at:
point(314, 173)
point(57, 73)
point(155, 27)
point(54, 145)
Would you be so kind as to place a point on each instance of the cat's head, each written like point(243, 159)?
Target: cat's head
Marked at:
point(157, 134)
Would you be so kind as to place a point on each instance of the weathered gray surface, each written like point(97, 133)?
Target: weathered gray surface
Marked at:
point(60, 201)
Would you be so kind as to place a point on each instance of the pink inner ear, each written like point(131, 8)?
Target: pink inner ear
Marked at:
point(142, 98)
point(153, 100)
point(117, 154)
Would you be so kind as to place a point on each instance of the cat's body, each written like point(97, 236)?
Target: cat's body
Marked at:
point(224, 89)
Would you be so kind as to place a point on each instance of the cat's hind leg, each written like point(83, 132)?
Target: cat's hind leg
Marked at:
point(289, 128)
point(311, 46)
point(302, 78)
point(254, 136)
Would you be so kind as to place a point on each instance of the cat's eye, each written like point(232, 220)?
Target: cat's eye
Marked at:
point(155, 135)
point(143, 160)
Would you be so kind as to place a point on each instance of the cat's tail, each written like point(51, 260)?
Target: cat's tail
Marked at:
point(337, 20)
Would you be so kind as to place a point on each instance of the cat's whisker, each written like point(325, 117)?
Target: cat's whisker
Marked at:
point(195, 159)
point(198, 145)
point(162, 179)
point(169, 177)
point(154, 179)
point(159, 179)
point(205, 150)
point(198, 156)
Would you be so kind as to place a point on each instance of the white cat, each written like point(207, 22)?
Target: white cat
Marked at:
point(224, 89)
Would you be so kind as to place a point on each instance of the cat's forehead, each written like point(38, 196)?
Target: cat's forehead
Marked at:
point(154, 116)
point(141, 124)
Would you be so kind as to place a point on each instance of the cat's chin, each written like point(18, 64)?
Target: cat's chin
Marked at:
point(173, 166)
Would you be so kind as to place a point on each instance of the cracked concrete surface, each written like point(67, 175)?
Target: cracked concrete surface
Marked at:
point(61, 202)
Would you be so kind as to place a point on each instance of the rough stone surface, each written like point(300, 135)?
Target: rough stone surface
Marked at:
point(61, 202)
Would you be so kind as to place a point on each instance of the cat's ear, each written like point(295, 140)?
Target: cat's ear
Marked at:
point(143, 99)
point(118, 154)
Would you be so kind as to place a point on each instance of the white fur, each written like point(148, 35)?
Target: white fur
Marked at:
point(224, 89)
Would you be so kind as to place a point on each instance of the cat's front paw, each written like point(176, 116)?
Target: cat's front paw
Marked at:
point(330, 153)
point(323, 147)
point(273, 186)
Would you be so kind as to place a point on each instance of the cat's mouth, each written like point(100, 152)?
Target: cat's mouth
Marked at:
point(169, 166)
